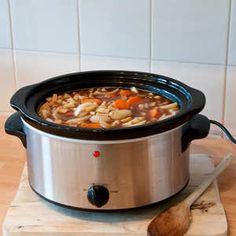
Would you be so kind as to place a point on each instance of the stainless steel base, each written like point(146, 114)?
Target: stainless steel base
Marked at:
point(136, 172)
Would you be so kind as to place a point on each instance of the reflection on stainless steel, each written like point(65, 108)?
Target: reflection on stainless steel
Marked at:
point(135, 172)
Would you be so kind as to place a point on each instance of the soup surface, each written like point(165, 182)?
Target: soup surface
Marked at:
point(107, 108)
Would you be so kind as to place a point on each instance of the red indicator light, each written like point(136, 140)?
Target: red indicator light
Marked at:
point(96, 154)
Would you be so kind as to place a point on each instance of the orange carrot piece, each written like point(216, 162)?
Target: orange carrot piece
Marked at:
point(69, 113)
point(134, 100)
point(96, 100)
point(154, 113)
point(92, 125)
point(125, 92)
point(121, 104)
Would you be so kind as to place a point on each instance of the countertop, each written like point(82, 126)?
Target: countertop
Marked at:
point(12, 159)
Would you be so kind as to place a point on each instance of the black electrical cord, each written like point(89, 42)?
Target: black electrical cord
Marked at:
point(228, 134)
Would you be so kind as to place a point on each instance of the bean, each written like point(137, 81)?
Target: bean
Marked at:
point(141, 106)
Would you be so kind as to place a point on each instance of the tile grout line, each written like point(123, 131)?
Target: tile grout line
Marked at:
point(115, 57)
point(78, 34)
point(45, 52)
point(160, 60)
point(226, 61)
point(150, 36)
point(12, 43)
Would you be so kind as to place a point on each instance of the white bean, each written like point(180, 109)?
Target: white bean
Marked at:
point(134, 90)
point(120, 114)
point(141, 106)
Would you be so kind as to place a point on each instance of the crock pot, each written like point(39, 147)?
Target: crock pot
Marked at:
point(108, 169)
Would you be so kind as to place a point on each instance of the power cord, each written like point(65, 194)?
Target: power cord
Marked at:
point(228, 134)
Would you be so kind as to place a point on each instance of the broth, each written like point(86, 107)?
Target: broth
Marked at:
point(107, 108)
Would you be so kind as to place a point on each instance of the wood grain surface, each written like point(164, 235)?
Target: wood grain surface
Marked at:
point(30, 215)
point(12, 158)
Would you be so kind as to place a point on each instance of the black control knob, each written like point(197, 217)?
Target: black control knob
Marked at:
point(98, 195)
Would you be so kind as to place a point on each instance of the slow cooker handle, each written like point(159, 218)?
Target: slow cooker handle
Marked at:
point(14, 126)
point(198, 127)
point(18, 100)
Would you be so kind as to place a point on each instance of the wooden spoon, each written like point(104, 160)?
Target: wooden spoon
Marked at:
point(176, 220)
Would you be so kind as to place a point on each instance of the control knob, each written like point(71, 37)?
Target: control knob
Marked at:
point(98, 195)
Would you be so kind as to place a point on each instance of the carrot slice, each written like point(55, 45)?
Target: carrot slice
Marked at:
point(134, 100)
point(96, 100)
point(154, 113)
point(125, 92)
point(69, 113)
point(92, 125)
point(121, 104)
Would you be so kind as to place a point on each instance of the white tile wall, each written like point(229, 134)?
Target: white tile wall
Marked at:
point(33, 67)
point(190, 30)
point(230, 108)
point(207, 78)
point(5, 35)
point(115, 28)
point(110, 63)
point(232, 41)
point(184, 39)
point(45, 25)
point(7, 87)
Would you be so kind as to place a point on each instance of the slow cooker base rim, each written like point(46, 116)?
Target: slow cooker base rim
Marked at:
point(109, 210)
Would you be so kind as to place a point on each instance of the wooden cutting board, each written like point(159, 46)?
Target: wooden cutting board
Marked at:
point(29, 215)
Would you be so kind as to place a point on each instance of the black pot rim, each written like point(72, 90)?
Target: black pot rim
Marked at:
point(27, 99)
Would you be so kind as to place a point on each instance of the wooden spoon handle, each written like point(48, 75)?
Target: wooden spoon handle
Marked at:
point(202, 187)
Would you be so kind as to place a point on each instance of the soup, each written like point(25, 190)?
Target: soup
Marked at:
point(107, 108)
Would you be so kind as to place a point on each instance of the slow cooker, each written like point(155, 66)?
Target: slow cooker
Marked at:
point(108, 169)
